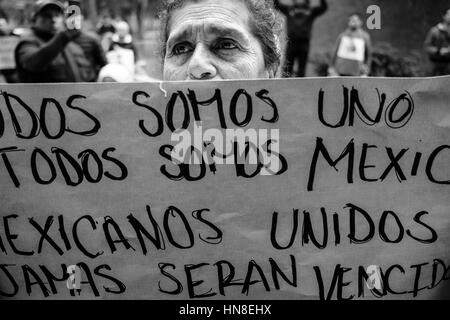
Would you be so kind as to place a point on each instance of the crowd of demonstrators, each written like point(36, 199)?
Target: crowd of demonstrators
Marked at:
point(437, 45)
point(300, 16)
point(54, 50)
point(123, 61)
point(121, 49)
point(352, 54)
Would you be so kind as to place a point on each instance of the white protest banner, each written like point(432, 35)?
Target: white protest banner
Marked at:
point(8, 44)
point(352, 204)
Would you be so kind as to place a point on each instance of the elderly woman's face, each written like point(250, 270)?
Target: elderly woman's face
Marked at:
point(212, 40)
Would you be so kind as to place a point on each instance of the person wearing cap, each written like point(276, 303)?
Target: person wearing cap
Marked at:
point(47, 54)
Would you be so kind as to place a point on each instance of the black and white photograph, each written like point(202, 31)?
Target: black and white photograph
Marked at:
point(224, 159)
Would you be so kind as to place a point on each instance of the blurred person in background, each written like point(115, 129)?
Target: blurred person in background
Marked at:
point(48, 53)
point(123, 38)
point(105, 25)
point(106, 29)
point(89, 43)
point(437, 46)
point(352, 54)
point(122, 50)
point(123, 64)
point(300, 16)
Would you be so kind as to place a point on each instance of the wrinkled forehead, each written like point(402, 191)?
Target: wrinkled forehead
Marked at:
point(211, 17)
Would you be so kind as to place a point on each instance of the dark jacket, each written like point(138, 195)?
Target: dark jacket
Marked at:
point(92, 50)
point(438, 38)
point(45, 58)
point(300, 18)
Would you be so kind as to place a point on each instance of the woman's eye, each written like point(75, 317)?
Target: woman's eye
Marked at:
point(226, 45)
point(181, 48)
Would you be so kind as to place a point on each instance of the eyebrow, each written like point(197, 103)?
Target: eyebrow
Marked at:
point(220, 31)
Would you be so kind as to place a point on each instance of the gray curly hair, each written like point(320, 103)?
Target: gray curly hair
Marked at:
point(265, 25)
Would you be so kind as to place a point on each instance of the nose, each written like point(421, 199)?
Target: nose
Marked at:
point(201, 65)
